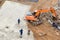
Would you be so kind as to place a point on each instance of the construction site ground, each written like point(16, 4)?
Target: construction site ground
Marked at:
point(45, 31)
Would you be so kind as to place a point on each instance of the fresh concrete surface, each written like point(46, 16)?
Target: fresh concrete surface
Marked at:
point(9, 13)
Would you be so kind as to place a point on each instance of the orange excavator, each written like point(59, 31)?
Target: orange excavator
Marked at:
point(35, 17)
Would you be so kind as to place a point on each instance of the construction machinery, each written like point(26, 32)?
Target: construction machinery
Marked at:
point(36, 17)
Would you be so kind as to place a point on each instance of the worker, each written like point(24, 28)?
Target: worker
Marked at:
point(18, 21)
point(21, 33)
point(28, 32)
point(55, 25)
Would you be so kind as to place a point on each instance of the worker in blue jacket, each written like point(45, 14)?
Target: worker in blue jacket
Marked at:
point(21, 33)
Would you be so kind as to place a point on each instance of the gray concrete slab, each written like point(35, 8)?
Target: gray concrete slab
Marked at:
point(9, 13)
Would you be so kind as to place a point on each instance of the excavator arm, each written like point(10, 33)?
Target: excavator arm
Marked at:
point(46, 10)
point(41, 11)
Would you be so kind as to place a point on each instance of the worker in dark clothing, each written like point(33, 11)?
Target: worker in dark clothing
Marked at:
point(18, 21)
point(55, 25)
point(21, 33)
point(28, 32)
